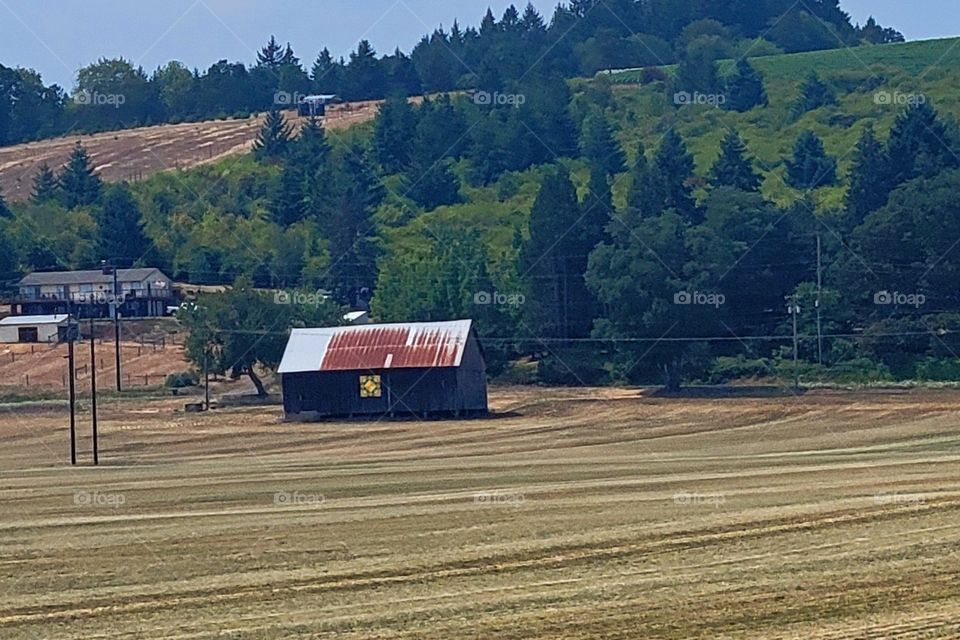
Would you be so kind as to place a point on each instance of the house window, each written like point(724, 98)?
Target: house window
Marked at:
point(370, 387)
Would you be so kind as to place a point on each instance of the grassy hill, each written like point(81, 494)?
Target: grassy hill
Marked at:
point(872, 84)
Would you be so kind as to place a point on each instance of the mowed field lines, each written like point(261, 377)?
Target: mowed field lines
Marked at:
point(570, 514)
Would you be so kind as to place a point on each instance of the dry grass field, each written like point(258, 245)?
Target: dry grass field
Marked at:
point(134, 154)
point(570, 514)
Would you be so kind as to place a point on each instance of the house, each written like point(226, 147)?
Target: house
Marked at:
point(423, 369)
point(141, 293)
point(314, 106)
point(33, 328)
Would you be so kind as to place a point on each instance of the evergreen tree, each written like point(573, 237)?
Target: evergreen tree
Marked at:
point(597, 212)
point(120, 236)
point(814, 94)
point(350, 230)
point(553, 263)
point(79, 184)
point(432, 184)
point(274, 138)
point(674, 164)
point(393, 133)
point(599, 146)
point(734, 167)
point(920, 144)
point(745, 90)
point(326, 73)
point(647, 195)
point(810, 167)
point(46, 187)
point(869, 178)
point(271, 55)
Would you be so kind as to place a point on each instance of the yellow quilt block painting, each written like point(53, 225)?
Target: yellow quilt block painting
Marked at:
point(370, 387)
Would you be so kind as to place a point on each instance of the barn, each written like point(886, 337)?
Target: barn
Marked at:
point(425, 369)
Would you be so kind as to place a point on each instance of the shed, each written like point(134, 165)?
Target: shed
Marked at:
point(314, 106)
point(422, 368)
point(33, 328)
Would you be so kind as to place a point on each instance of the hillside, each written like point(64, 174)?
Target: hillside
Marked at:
point(135, 154)
point(863, 79)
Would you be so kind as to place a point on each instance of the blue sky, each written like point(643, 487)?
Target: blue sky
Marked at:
point(57, 37)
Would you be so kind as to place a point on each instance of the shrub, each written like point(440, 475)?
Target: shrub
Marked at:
point(181, 380)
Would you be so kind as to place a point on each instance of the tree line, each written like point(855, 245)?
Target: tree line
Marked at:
point(581, 38)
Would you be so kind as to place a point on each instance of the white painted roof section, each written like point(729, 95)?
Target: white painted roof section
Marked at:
point(19, 321)
point(376, 346)
point(304, 351)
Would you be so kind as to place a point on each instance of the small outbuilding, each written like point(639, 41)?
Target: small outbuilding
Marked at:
point(425, 369)
point(49, 328)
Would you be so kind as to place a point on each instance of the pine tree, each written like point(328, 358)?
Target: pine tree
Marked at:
point(79, 184)
point(46, 187)
point(674, 164)
point(271, 55)
point(350, 230)
point(647, 195)
point(432, 184)
point(393, 133)
point(553, 262)
point(810, 167)
point(599, 146)
point(734, 167)
point(814, 94)
point(920, 144)
point(274, 138)
point(745, 90)
point(869, 178)
point(598, 211)
point(120, 236)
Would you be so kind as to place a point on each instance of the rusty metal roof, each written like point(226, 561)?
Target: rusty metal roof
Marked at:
point(412, 345)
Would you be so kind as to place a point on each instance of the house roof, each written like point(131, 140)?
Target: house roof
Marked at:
point(412, 345)
point(20, 321)
point(93, 276)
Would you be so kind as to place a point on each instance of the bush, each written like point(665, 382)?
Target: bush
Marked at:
point(726, 369)
point(181, 380)
point(934, 370)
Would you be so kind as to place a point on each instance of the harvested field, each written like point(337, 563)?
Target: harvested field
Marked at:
point(134, 154)
point(569, 514)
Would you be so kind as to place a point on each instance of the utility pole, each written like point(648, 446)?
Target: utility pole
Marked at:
point(794, 310)
point(72, 373)
point(93, 393)
point(819, 294)
point(206, 380)
point(115, 310)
